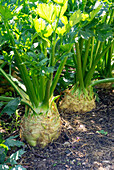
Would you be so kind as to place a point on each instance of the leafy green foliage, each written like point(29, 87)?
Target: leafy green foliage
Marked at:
point(43, 26)
point(14, 157)
point(3, 152)
point(102, 132)
point(75, 18)
point(10, 142)
point(104, 32)
point(94, 12)
point(5, 12)
point(11, 161)
point(4, 166)
point(91, 33)
point(11, 107)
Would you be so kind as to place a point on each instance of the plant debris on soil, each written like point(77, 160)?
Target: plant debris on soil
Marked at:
point(86, 141)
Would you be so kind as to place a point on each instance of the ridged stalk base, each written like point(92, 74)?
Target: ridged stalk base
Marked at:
point(41, 129)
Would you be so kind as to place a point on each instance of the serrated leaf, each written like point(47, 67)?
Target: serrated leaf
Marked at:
point(49, 31)
point(94, 12)
point(49, 69)
point(64, 8)
point(75, 18)
point(85, 16)
point(12, 142)
point(47, 11)
point(66, 47)
point(104, 31)
point(61, 30)
point(15, 156)
point(85, 34)
point(5, 12)
point(11, 107)
point(64, 20)
point(39, 24)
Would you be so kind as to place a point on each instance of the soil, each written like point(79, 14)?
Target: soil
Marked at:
point(86, 141)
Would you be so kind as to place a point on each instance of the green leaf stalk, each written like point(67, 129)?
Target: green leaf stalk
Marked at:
point(41, 123)
point(90, 49)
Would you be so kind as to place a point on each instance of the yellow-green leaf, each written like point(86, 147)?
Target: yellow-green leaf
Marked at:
point(5, 12)
point(64, 20)
point(61, 31)
point(64, 8)
point(39, 24)
point(85, 16)
point(4, 146)
point(94, 12)
point(47, 12)
point(49, 31)
point(75, 18)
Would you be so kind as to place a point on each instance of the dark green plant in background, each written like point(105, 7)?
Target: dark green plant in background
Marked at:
point(89, 49)
point(105, 65)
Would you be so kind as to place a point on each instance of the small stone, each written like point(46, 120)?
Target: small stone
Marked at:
point(101, 119)
point(84, 163)
point(82, 127)
point(66, 144)
point(106, 161)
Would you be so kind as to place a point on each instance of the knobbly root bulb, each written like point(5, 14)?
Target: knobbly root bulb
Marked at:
point(41, 129)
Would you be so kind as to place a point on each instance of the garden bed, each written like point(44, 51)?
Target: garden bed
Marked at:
point(68, 44)
point(86, 141)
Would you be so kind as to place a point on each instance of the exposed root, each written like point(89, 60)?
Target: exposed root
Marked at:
point(75, 103)
point(41, 129)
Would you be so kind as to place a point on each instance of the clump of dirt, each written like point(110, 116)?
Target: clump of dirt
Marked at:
point(86, 141)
